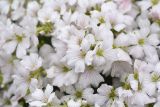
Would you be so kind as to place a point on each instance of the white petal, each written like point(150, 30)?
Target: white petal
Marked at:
point(143, 22)
point(50, 72)
point(119, 27)
point(87, 93)
point(142, 66)
point(59, 80)
point(25, 43)
point(88, 78)
point(136, 51)
point(34, 84)
point(84, 80)
point(90, 38)
point(9, 47)
point(89, 57)
point(85, 44)
point(157, 67)
point(21, 51)
point(45, 49)
point(150, 88)
point(48, 90)
point(26, 62)
point(108, 39)
point(123, 56)
point(72, 103)
point(71, 2)
point(134, 85)
point(98, 61)
point(144, 5)
point(99, 99)
point(38, 94)
point(145, 32)
point(37, 104)
point(122, 40)
point(141, 99)
point(124, 93)
point(151, 54)
point(71, 78)
point(104, 89)
point(153, 39)
point(155, 28)
point(51, 97)
point(36, 61)
point(79, 66)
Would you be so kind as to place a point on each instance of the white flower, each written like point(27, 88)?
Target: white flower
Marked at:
point(108, 96)
point(139, 83)
point(46, 98)
point(30, 23)
point(49, 15)
point(22, 76)
point(91, 76)
point(78, 92)
point(31, 62)
point(75, 55)
point(95, 53)
point(140, 44)
point(18, 41)
point(62, 74)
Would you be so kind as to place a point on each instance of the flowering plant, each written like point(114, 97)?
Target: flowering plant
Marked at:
point(79, 53)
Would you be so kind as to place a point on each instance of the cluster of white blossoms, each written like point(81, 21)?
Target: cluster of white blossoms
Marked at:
point(79, 53)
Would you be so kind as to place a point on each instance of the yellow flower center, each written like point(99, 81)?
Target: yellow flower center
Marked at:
point(19, 38)
point(46, 28)
point(141, 42)
point(100, 52)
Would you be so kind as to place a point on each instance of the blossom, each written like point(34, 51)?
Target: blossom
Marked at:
point(17, 41)
point(79, 53)
point(62, 74)
point(46, 98)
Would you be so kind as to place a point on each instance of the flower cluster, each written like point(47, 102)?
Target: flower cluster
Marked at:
point(79, 53)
